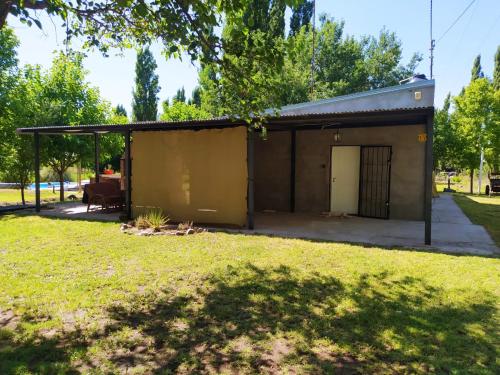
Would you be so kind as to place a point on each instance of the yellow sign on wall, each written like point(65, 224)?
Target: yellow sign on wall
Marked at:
point(422, 137)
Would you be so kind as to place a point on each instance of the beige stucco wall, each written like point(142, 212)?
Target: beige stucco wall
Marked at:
point(313, 166)
point(191, 175)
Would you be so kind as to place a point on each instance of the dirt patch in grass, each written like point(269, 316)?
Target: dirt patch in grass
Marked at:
point(8, 319)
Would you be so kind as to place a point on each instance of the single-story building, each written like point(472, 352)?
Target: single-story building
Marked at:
point(366, 154)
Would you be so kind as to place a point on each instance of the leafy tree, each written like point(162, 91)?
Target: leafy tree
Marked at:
point(120, 110)
point(180, 111)
point(382, 60)
point(246, 82)
point(145, 94)
point(8, 78)
point(277, 19)
point(210, 95)
point(180, 96)
point(196, 97)
point(67, 99)
point(496, 70)
point(181, 26)
point(445, 140)
point(477, 70)
point(343, 65)
point(301, 16)
point(476, 121)
point(24, 107)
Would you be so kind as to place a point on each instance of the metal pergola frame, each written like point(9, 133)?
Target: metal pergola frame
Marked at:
point(291, 123)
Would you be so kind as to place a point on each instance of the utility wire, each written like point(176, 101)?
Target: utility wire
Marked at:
point(456, 20)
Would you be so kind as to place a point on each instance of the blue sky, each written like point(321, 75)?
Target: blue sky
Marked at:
point(478, 31)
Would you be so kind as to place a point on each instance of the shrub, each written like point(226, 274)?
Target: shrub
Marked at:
point(153, 219)
point(185, 226)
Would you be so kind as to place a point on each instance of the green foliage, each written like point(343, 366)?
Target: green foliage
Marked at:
point(8, 77)
point(182, 27)
point(120, 110)
point(154, 219)
point(445, 145)
point(180, 96)
point(145, 94)
point(68, 99)
point(477, 70)
point(180, 111)
point(196, 97)
point(496, 70)
point(476, 122)
point(343, 64)
point(301, 16)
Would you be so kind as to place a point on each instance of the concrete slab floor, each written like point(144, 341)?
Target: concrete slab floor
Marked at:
point(78, 211)
point(452, 231)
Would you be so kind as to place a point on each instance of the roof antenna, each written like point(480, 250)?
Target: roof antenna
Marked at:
point(433, 44)
point(313, 45)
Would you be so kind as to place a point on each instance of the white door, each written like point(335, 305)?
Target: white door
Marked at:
point(344, 179)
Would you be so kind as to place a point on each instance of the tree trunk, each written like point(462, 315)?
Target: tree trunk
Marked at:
point(472, 181)
point(22, 195)
point(61, 187)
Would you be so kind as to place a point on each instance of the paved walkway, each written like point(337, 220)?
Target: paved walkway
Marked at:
point(78, 211)
point(452, 231)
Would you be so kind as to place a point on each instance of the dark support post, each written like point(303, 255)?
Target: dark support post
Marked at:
point(428, 178)
point(250, 187)
point(37, 171)
point(96, 156)
point(128, 176)
point(292, 169)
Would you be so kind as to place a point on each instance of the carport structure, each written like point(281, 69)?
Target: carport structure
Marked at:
point(367, 154)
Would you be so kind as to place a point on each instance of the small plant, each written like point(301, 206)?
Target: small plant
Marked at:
point(141, 222)
point(154, 219)
point(185, 226)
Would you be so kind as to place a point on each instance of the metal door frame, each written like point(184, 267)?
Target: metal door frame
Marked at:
point(388, 200)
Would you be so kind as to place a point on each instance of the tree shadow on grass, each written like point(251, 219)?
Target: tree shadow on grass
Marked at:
point(277, 319)
point(269, 320)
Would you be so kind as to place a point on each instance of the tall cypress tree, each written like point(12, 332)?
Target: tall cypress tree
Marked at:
point(180, 96)
point(496, 70)
point(196, 97)
point(477, 71)
point(277, 19)
point(145, 94)
point(120, 110)
point(301, 15)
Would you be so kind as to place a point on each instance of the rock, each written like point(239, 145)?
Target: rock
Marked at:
point(146, 232)
point(180, 233)
point(124, 227)
point(190, 231)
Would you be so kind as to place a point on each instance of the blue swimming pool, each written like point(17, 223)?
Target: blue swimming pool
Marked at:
point(51, 185)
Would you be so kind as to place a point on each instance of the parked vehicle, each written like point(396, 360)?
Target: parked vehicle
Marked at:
point(494, 185)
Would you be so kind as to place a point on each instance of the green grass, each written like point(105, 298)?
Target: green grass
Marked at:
point(482, 210)
point(80, 296)
point(13, 196)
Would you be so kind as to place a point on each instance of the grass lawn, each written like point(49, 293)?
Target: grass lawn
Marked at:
point(79, 296)
point(482, 210)
point(13, 196)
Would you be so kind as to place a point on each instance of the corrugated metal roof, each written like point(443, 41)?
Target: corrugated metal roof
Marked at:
point(223, 122)
point(387, 100)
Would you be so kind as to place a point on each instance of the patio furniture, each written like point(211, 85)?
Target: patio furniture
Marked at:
point(105, 194)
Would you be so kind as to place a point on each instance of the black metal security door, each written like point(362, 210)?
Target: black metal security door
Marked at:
point(375, 181)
